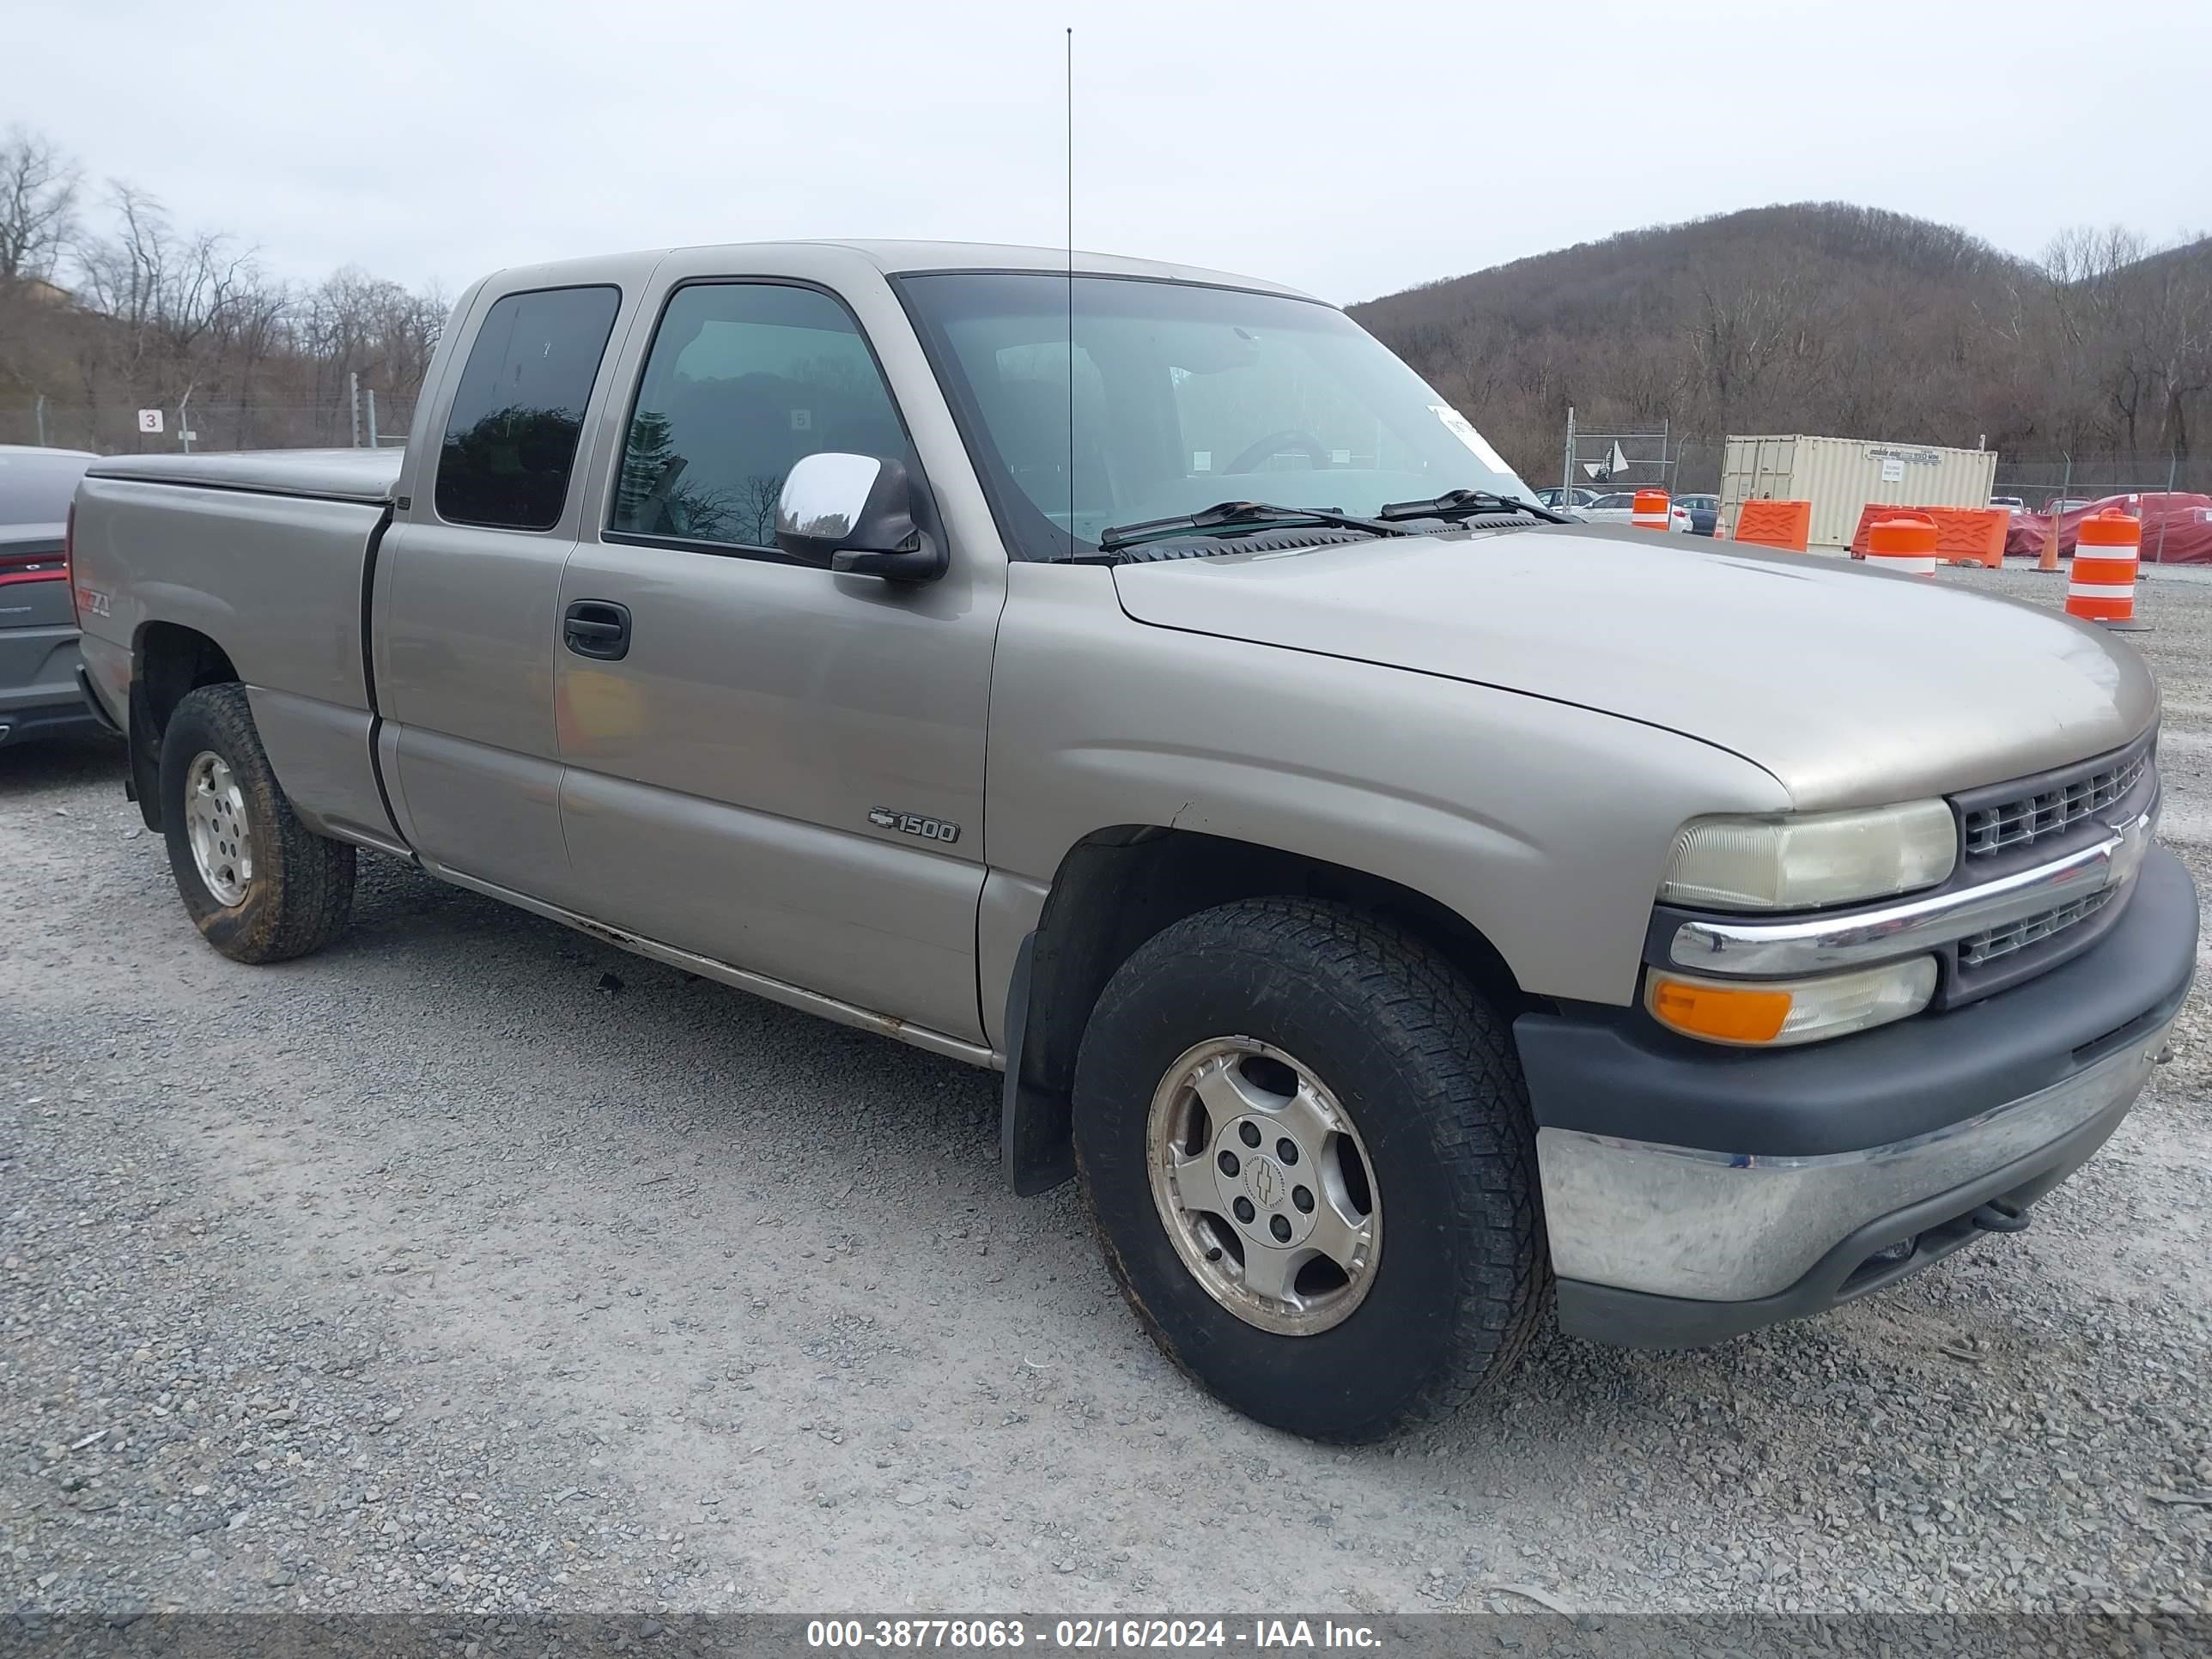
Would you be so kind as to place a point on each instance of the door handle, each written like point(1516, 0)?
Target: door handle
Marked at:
point(598, 629)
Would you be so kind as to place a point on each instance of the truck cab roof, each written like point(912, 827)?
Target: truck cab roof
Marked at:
point(373, 476)
point(892, 258)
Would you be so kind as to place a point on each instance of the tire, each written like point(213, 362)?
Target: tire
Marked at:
point(1388, 1033)
point(276, 889)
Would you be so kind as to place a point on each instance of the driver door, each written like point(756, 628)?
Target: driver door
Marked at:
point(737, 776)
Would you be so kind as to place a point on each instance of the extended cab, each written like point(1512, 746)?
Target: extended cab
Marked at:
point(1399, 908)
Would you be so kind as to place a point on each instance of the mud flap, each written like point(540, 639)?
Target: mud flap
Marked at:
point(1037, 1147)
point(144, 784)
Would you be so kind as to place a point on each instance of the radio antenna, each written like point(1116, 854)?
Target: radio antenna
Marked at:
point(1071, 289)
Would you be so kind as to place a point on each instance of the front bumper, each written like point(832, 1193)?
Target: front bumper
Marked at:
point(1690, 1194)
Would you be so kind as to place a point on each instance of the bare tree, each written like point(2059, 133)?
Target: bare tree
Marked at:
point(755, 509)
point(181, 315)
point(2133, 333)
point(160, 311)
point(1821, 317)
point(1817, 317)
point(354, 324)
point(38, 205)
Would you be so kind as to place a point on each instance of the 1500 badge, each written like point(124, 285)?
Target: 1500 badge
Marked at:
point(913, 824)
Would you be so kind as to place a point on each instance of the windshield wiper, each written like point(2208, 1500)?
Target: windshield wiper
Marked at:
point(1238, 515)
point(1466, 503)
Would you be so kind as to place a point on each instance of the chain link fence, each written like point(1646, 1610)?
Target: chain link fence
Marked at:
point(2037, 478)
point(377, 418)
point(1686, 465)
point(1697, 463)
point(1617, 460)
point(2040, 480)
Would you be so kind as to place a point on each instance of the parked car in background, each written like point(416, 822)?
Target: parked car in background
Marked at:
point(1559, 499)
point(2065, 504)
point(1619, 507)
point(1704, 511)
point(2012, 504)
point(39, 692)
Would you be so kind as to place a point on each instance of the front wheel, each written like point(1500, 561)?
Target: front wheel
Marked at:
point(259, 885)
point(1306, 1143)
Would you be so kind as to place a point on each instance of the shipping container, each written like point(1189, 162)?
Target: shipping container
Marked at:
point(1841, 475)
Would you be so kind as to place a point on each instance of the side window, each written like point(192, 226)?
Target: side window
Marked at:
point(511, 438)
point(744, 379)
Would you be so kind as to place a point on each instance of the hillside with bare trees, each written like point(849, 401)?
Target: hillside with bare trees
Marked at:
point(1812, 317)
point(1830, 318)
point(107, 307)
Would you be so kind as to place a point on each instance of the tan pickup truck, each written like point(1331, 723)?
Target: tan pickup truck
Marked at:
point(1399, 908)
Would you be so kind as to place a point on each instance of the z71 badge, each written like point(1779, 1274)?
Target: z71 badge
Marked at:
point(913, 824)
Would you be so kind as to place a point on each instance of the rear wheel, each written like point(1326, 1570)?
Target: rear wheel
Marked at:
point(258, 884)
point(1306, 1143)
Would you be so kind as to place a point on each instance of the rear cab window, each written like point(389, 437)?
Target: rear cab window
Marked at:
point(511, 436)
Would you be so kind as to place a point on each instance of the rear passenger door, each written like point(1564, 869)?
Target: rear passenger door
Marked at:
point(738, 777)
point(467, 581)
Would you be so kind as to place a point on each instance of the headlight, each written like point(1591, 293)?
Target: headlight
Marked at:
point(1797, 861)
point(1773, 1013)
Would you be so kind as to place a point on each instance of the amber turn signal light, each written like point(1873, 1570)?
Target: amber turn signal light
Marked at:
point(1755, 1013)
point(1719, 1013)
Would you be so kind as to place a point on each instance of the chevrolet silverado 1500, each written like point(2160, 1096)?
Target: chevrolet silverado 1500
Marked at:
point(1400, 908)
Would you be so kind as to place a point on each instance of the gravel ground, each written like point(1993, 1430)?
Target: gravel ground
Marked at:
point(473, 1267)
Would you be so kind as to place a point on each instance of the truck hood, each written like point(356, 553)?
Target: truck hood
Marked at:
point(1851, 686)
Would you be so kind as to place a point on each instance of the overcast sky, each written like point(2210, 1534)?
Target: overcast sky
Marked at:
point(1349, 149)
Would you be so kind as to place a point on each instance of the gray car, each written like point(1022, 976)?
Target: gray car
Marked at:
point(39, 691)
point(1703, 510)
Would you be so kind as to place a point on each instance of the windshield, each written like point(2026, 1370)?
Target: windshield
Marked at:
point(1183, 396)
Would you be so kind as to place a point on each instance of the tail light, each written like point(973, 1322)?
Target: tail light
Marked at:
point(41, 567)
point(34, 567)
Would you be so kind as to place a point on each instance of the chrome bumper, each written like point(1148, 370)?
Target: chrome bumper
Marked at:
point(1729, 1227)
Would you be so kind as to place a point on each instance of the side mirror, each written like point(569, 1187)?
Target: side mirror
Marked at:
point(856, 512)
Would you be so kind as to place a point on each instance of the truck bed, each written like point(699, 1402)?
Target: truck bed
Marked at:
point(265, 555)
point(338, 475)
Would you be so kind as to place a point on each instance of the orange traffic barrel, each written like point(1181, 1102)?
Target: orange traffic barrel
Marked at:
point(1651, 510)
point(2102, 589)
point(1905, 544)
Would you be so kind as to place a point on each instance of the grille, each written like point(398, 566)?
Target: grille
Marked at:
point(2025, 818)
point(2019, 935)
